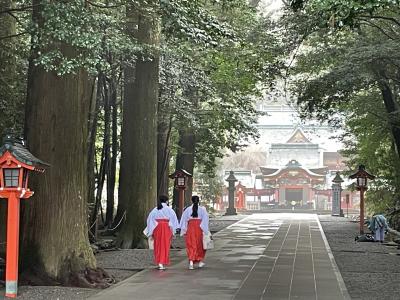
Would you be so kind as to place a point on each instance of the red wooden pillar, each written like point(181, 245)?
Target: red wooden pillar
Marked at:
point(12, 246)
point(362, 176)
point(180, 177)
point(361, 210)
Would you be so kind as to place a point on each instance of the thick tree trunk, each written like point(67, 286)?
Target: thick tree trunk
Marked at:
point(7, 77)
point(393, 110)
point(56, 237)
point(185, 160)
point(55, 231)
point(10, 99)
point(138, 172)
point(163, 152)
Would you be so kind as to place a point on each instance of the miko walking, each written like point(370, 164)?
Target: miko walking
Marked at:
point(194, 225)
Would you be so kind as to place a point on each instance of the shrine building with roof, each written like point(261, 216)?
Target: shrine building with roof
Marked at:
point(296, 173)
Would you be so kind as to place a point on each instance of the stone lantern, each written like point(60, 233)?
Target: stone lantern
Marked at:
point(336, 197)
point(231, 210)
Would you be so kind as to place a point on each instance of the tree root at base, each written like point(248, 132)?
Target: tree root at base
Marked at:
point(91, 278)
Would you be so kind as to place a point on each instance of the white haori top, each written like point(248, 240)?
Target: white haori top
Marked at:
point(202, 215)
point(165, 213)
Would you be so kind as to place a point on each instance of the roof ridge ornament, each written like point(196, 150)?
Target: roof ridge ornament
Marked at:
point(293, 164)
point(8, 138)
point(338, 179)
point(298, 137)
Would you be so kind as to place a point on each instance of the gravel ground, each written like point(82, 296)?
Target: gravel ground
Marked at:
point(369, 270)
point(121, 264)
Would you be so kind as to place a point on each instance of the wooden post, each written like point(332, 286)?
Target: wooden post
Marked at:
point(181, 201)
point(361, 210)
point(12, 246)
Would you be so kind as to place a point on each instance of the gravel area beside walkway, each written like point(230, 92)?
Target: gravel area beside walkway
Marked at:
point(369, 270)
point(120, 264)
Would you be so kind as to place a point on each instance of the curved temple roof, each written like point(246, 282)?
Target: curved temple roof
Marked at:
point(293, 164)
point(18, 150)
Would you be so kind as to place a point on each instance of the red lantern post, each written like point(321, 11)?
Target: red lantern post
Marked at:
point(361, 176)
point(15, 163)
point(180, 177)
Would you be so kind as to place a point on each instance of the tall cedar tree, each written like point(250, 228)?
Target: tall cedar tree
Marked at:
point(185, 160)
point(138, 172)
point(164, 127)
point(7, 77)
point(55, 229)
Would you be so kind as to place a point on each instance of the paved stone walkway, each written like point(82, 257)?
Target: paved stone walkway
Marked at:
point(264, 256)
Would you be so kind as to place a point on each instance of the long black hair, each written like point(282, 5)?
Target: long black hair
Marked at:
point(161, 199)
point(195, 200)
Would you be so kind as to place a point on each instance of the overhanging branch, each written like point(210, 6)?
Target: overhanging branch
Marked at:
point(13, 36)
point(391, 19)
point(18, 9)
point(372, 24)
point(102, 5)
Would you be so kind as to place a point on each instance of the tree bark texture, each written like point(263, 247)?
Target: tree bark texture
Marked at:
point(185, 160)
point(132, 18)
point(138, 171)
point(93, 119)
point(56, 237)
point(7, 80)
point(55, 240)
point(9, 98)
point(393, 110)
point(163, 150)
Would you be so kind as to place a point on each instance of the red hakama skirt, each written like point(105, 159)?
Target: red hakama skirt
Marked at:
point(194, 241)
point(162, 235)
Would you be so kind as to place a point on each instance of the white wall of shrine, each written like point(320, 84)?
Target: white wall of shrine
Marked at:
point(276, 127)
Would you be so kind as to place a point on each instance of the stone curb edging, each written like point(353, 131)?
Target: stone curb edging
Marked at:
point(393, 231)
point(342, 285)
